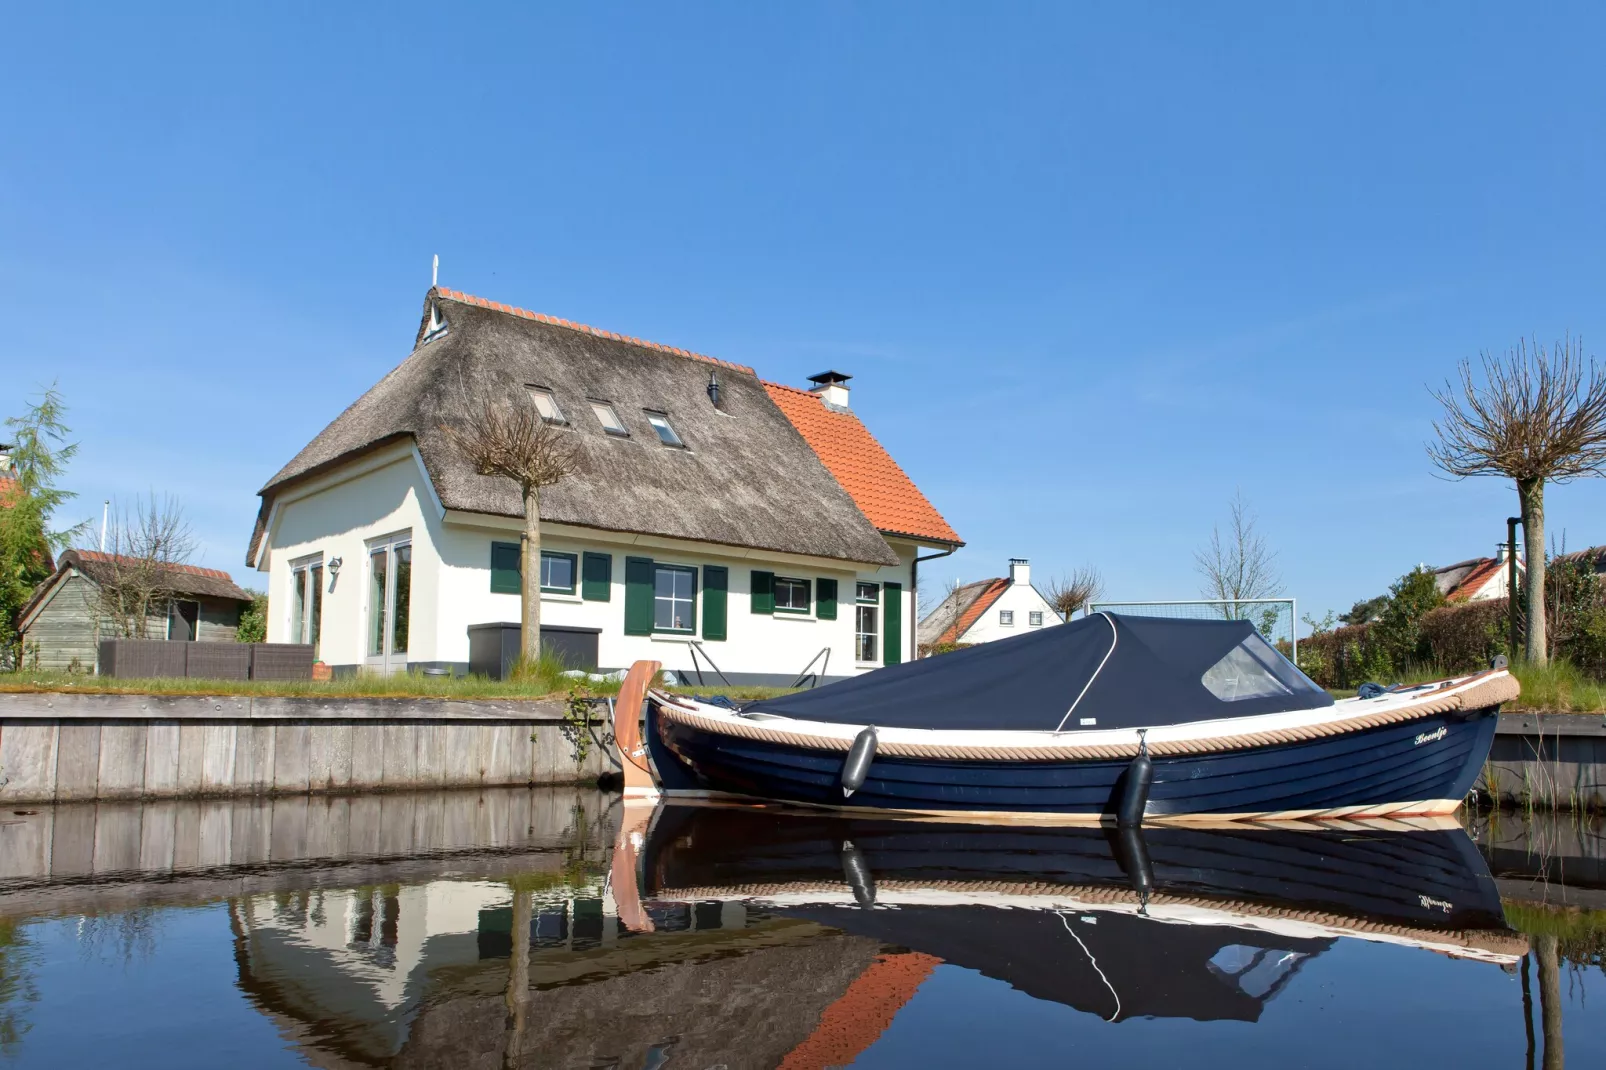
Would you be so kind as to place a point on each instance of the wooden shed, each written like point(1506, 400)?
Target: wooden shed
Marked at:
point(63, 623)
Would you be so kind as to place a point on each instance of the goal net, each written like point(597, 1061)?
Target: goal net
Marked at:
point(1273, 618)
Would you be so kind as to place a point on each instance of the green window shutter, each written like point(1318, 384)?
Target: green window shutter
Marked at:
point(596, 577)
point(504, 568)
point(825, 598)
point(892, 610)
point(716, 584)
point(638, 596)
point(764, 593)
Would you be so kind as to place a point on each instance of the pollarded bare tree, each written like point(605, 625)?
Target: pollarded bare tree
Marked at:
point(1071, 594)
point(135, 586)
point(502, 436)
point(1536, 420)
point(1238, 566)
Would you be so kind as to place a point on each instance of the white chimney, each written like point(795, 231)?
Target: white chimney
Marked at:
point(1020, 572)
point(832, 388)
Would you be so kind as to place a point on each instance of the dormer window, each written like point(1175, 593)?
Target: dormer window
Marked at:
point(437, 322)
point(609, 419)
point(666, 434)
point(546, 405)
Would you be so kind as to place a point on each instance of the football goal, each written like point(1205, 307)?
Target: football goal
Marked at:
point(1274, 618)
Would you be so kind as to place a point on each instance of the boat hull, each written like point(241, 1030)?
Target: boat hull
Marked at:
point(1426, 765)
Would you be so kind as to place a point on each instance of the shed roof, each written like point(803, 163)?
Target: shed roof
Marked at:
point(185, 579)
point(882, 489)
point(746, 477)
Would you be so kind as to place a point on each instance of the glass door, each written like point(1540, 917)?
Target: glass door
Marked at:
point(390, 583)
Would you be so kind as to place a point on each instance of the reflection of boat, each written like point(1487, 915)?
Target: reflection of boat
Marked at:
point(1106, 715)
point(1170, 921)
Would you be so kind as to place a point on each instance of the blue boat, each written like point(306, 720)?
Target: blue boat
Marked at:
point(1111, 717)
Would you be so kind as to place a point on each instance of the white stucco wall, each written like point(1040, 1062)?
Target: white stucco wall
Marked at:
point(1022, 600)
point(387, 493)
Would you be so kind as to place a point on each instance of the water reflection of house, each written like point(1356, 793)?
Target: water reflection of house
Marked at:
point(418, 977)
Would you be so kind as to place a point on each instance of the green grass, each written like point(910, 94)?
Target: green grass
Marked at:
point(1559, 687)
point(1581, 934)
point(541, 679)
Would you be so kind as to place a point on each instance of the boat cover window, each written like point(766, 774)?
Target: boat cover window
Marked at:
point(1254, 669)
point(1117, 671)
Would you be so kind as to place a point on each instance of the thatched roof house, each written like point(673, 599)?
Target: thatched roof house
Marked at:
point(723, 489)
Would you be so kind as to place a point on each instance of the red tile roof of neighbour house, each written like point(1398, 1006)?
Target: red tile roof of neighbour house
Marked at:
point(1474, 581)
point(95, 556)
point(882, 490)
point(991, 589)
point(512, 310)
point(863, 1012)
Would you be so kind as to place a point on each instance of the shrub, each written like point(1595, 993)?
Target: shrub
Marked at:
point(1465, 637)
point(1398, 631)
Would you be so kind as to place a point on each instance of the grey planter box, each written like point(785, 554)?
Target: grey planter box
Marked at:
point(493, 649)
point(129, 659)
point(219, 661)
point(281, 661)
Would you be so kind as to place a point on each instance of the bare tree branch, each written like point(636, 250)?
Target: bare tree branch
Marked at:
point(1239, 566)
point(1537, 418)
point(1071, 594)
point(146, 540)
point(506, 436)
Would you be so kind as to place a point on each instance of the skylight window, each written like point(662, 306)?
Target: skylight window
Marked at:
point(546, 405)
point(660, 424)
point(437, 322)
point(609, 419)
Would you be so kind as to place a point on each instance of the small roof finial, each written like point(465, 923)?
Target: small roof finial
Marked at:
point(435, 272)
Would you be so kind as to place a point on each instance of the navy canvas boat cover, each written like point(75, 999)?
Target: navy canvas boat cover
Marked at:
point(1100, 672)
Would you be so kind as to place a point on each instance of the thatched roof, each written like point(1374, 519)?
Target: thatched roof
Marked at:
point(747, 477)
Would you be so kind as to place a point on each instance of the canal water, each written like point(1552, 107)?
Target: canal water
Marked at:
point(557, 928)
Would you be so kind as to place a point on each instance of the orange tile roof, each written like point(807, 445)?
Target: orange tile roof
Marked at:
point(882, 490)
point(862, 1013)
point(972, 614)
point(1473, 581)
point(512, 310)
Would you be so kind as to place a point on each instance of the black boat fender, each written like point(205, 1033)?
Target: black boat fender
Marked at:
point(857, 767)
point(1135, 786)
point(1132, 853)
point(856, 868)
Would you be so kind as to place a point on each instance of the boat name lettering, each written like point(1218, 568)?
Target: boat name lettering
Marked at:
point(1428, 901)
point(1432, 737)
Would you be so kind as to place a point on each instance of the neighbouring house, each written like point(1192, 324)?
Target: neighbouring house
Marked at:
point(757, 525)
point(1476, 579)
point(1594, 558)
point(64, 622)
point(988, 609)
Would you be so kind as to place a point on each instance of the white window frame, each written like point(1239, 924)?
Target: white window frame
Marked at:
point(872, 605)
point(659, 420)
point(1006, 618)
point(669, 566)
point(1034, 618)
point(388, 660)
point(301, 571)
point(538, 394)
point(808, 596)
point(608, 417)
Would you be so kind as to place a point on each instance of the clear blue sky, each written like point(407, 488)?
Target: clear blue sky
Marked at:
point(1094, 267)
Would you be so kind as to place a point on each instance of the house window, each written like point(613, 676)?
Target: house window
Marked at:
point(306, 603)
point(660, 424)
point(1006, 618)
point(674, 595)
point(609, 419)
point(867, 621)
point(1035, 618)
point(791, 596)
point(557, 572)
point(546, 405)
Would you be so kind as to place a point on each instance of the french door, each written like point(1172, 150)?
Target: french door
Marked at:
point(390, 583)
